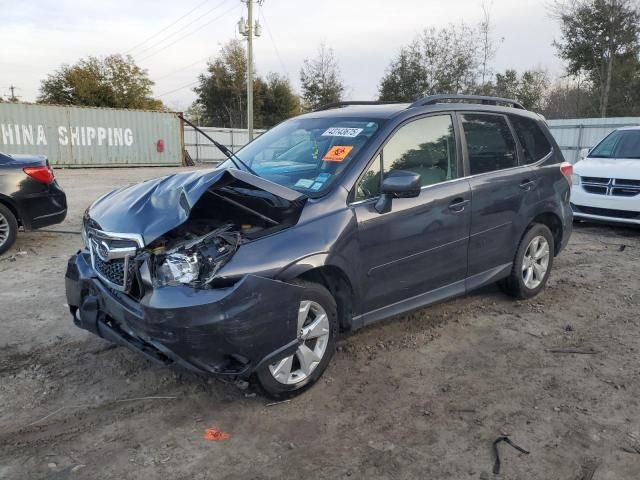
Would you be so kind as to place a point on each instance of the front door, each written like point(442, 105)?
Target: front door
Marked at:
point(422, 243)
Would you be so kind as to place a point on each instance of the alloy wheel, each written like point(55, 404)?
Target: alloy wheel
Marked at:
point(313, 337)
point(535, 262)
point(4, 229)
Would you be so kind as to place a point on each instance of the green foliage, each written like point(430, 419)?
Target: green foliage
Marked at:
point(529, 88)
point(320, 79)
point(222, 95)
point(599, 39)
point(114, 81)
point(279, 101)
point(446, 60)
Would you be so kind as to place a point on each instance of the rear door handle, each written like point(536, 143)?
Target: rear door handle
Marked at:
point(458, 204)
point(527, 185)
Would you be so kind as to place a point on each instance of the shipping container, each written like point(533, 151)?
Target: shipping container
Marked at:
point(91, 137)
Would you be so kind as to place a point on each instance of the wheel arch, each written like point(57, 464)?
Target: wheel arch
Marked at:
point(7, 202)
point(317, 268)
point(552, 221)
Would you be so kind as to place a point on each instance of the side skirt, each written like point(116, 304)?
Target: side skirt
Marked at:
point(433, 296)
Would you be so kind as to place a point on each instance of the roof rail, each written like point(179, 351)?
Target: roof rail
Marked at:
point(330, 106)
point(484, 100)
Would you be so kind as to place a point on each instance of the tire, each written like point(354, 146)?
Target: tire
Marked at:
point(289, 377)
point(518, 284)
point(8, 228)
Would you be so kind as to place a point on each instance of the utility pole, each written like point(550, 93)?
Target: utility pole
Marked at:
point(12, 89)
point(249, 29)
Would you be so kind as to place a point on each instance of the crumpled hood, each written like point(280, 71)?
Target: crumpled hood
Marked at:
point(154, 207)
point(626, 168)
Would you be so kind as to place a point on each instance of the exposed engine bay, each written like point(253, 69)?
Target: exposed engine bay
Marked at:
point(222, 220)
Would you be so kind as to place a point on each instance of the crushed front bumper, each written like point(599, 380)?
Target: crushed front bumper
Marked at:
point(226, 332)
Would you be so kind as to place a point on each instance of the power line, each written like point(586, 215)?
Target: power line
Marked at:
point(179, 88)
point(182, 68)
point(275, 48)
point(188, 34)
point(167, 27)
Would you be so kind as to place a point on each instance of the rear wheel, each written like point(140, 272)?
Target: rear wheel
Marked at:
point(8, 228)
point(532, 263)
point(317, 330)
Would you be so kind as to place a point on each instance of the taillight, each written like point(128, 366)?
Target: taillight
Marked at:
point(567, 170)
point(41, 174)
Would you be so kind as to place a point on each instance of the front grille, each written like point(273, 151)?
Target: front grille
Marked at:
point(597, 189)
point(600, 180)
point(606, 212)
point(112, 258)
point(113, 271)
point(618, 187)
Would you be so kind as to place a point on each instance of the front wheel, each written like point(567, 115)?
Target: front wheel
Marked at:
point(532, 263)
point(317, 332)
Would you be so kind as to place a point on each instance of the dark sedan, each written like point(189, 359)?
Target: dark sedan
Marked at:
point(29, 196)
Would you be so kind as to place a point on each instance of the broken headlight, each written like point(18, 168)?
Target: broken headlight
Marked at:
point(196, 260)
point(178, 268)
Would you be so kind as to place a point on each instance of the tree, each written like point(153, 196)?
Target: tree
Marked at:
point(529, 88)
point(279, 101)
point(222, 93)
point(321, 80)
point(569, 98)
point(599, 38)
point(114, 81)
point(445, 60)
point(222, 89)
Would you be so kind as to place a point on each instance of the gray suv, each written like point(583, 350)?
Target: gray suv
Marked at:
point(328, 222)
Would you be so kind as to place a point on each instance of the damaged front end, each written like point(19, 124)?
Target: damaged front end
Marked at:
point(156, 288)
point(182, 229)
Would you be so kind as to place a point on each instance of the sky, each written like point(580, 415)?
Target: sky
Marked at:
point(173, 40)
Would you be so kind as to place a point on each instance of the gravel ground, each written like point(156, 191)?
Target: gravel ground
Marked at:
point(419, 396)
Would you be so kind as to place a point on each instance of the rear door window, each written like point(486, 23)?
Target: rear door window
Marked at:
point(533, 141)
point(490, 144)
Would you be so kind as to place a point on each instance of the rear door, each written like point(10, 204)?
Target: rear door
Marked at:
point(421, 244)
point(501, 189)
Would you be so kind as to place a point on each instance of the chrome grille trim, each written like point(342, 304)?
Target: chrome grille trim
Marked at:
point(617, 187)
point(123, 254)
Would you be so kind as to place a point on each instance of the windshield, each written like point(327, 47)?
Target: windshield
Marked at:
point(619, 144)
point(308, 154)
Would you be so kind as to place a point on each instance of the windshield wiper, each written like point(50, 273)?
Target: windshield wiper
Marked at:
point(223, 148)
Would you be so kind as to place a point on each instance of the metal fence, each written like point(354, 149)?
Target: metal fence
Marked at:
point(202, 150)
point(573, 135)
point(91, 137)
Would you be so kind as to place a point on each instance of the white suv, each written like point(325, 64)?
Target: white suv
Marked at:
point(607, 181)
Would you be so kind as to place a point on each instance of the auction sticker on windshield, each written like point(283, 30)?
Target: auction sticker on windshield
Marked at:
point(337, 153)
point(342, 132)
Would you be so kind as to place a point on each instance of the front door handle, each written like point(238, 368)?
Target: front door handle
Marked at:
point(527, 185)
point(458, 205)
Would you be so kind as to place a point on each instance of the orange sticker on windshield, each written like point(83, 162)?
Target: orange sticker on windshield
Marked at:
point(337, 153)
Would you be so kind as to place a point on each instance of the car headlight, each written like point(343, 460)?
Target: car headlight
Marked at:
point(575, 179)
point(178, 268)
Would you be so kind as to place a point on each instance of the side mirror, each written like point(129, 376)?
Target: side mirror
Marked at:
point(584, 153)
point(398, 184)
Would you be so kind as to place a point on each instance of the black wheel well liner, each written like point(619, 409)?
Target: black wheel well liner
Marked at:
point(337, 282)
point(553, 222)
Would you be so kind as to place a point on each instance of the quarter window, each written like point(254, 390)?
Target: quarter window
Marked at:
point(425, 146)
point(489, 142)
point(533, 141)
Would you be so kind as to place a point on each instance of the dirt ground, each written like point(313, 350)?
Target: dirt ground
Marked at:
point(419, 396)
